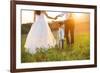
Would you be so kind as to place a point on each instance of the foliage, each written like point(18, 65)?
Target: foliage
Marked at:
point(80, 50)
point(25, 28)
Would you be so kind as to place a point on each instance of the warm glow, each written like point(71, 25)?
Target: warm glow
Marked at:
point(78, 15)
point(81, 17)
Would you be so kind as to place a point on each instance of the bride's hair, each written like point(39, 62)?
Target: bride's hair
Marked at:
point(37, 12)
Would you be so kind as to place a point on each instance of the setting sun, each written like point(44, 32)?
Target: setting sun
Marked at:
point(81, 17)
point(78, 15)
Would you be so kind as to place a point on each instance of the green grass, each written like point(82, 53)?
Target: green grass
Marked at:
point(79, 51)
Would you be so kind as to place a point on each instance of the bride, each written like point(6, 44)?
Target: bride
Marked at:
point(40, 35)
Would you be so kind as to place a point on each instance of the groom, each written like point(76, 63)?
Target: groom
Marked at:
point(69, 30)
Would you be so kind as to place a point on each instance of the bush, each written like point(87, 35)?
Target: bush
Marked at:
point(25, 28)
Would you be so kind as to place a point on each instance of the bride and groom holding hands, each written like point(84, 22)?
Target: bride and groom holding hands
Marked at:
point(41, 36)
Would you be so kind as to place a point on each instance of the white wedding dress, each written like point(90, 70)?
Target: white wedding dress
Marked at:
point(40, 35)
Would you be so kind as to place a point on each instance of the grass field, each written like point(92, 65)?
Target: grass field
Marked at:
point(79, 51)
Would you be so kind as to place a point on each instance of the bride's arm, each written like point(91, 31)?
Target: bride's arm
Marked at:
point(49, 16)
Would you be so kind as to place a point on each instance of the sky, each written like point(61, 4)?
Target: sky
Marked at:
point(28, 16)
